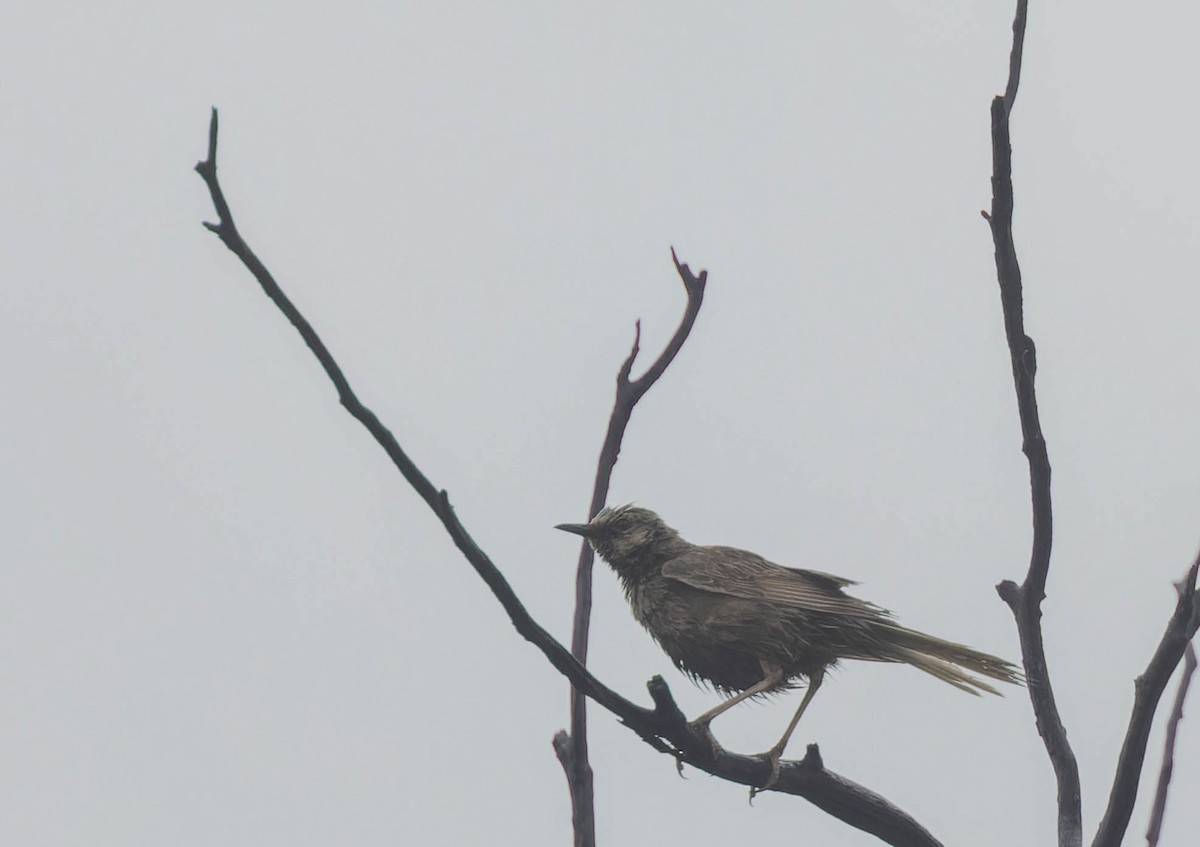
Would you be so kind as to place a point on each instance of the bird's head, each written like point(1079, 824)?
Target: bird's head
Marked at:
point(631, 539)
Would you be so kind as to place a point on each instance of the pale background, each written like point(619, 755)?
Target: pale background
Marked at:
point(226, 620)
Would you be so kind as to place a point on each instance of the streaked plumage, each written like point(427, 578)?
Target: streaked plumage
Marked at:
point(748, 627)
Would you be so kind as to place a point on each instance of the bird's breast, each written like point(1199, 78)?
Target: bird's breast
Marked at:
point(712, 637)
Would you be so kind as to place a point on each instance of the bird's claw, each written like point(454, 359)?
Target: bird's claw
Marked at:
point(772, 756)
point(679, 764)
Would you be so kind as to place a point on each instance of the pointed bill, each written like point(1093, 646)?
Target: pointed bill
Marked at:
point(583, 529)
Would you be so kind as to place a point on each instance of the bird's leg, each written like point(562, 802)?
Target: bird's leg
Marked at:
point(776, 753)
point(772, 678)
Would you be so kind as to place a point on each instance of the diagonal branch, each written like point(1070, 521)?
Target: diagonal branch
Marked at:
point(1025, 600)
point(1148, 689)
point(1154, 830)
point(571, 748)
point(664, 727)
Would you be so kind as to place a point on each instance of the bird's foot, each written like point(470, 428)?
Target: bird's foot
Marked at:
point(772, 757)
point(700, 727)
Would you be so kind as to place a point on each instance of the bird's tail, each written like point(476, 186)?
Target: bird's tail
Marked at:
point(950, 662)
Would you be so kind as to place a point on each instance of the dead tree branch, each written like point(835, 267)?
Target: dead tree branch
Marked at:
point(1154, 830)
point(1148, 689)
point(1025, 600)
point(572, 748)
point(664, 727)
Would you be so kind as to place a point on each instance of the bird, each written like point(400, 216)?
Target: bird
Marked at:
point(748, 627)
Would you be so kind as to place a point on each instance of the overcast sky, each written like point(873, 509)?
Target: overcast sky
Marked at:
point(225, 619)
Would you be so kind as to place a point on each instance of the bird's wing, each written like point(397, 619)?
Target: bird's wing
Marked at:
point(740, 573)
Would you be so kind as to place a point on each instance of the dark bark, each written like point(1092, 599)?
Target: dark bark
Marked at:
point(571, 747)
point(1154, 830)
point(1148, 689)
point(1025, 600)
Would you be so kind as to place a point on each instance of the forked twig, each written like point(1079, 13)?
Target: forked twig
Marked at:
point(571, 748)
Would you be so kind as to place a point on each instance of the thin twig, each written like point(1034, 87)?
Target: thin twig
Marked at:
point(1148, 689)
point(571, 748)
point(1025, 600)
point(1016, 55)
point(664, 727)
point(1154, 830)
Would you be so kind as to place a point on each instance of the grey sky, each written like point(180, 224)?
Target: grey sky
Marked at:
point(226, 620)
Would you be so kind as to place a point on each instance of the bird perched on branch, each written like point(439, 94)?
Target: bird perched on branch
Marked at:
point(749, 627)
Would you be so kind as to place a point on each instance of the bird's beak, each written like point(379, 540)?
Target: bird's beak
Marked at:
point(584, 529)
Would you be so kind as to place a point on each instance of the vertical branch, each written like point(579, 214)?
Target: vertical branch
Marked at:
point(1025, 600)
point(571, 748)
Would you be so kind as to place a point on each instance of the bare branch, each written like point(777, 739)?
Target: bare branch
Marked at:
point(1025, 600)
point(1154, 830)
point(572, 748)
point(1014, 58)
point(663, 727)
point(1168, 765)
point(1148, 689)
